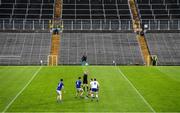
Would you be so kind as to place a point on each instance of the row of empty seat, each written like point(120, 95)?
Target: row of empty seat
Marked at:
point(96, 9)
point(159, 9)
point(26, 14)
point(24, 48)
point(165, 46)
point(27, 9)
point(158, 1)
point(100, 48)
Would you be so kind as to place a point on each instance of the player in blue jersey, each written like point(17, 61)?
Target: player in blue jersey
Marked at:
point(59, 90)
point(79, 90)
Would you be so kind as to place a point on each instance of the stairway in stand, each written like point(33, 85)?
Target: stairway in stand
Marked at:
point(138, 29)
point(56, 36)
point(55, 45)
point(144, 49)
point(58, 9)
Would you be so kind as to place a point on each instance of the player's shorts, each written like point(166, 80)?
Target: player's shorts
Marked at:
point(94, 90)
point(58, 92)
point(79, 89)
point(85, 82)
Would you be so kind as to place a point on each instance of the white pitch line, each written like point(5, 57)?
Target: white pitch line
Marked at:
point(34, 75)
point(91, 112)
point(145, 101)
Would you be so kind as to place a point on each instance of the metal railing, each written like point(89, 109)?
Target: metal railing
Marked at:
point(9, 24)
point(162, 24)
point(23, 24)
point(97, 24)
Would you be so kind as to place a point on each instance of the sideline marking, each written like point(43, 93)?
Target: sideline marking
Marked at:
point(145, 101)
point(34, 75)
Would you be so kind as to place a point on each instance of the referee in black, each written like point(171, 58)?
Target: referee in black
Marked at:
point(85, 82)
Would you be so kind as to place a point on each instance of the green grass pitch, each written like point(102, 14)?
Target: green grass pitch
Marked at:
point(122, 89)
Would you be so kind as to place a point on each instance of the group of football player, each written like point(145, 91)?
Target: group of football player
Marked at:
point(82, 87)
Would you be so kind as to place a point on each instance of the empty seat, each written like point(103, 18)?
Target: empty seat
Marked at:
point(95, 9)
point(7, 1)
point(144, 6)
point(47, 6)
point(174, 11)
point(47, 11)
point(124, 12)
point(33, 16)
point(5, 16)
point(111, 12)
point(34, 12)
point(159, 7)
point(46, 16)
point(18, 16)
point(160, 12)
point(146, 12)
point(6, 11)
point(20, 11)
point(20, 6)
point(4, 6)
point(82, 1)
point(34, 6)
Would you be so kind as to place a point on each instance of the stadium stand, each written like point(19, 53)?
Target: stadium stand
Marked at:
point(96, 9)
point(165, 46)
point(160, 14)
point(24, 48)
point(79, 16)
point(96, 15)
point(26, 14)
point(101, 48)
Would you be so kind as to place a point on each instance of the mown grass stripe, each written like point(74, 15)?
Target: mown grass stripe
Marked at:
point(34, 75)
point(135, 89)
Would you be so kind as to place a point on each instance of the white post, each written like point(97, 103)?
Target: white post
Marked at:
point(13, 25)
point(119, 24)
point(3, 25)
point(48, 60)
point(91, 24)
point(129, 25)
point(33, 24)
point(100, 24)
point(178, 25)
point(23, 24)
point(110, 25)
point(43, 25)
point(168, 25)
point(158, 24)
point(71, 24)
point(149, 25)
point(81, 25)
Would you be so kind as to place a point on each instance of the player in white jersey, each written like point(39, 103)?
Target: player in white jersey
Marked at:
point(94, 89)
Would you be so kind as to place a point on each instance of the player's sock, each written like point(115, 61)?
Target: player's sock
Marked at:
point(87, 88)
point(96, 95)
point(84, 88)
point(60, 97)
point(97, 99)
point(81, 94)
